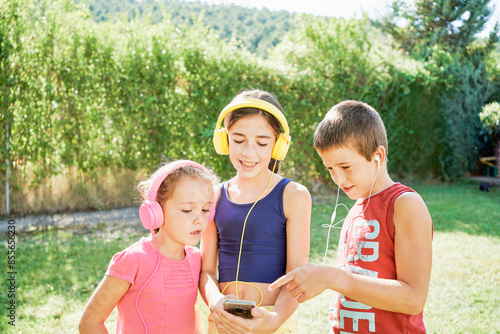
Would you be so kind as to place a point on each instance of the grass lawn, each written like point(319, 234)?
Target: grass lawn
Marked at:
point(58, 270)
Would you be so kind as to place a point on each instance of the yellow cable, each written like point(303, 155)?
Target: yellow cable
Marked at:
point(253, 285)
point(241, 244)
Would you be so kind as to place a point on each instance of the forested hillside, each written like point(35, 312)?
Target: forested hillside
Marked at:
point(258, 29)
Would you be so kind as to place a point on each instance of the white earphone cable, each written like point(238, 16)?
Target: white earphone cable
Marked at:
point(334, 225)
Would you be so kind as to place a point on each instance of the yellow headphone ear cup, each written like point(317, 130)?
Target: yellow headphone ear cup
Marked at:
point(220, 142)
point(280, 148)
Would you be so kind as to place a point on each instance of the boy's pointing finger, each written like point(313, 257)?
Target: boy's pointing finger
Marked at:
point(281, 281)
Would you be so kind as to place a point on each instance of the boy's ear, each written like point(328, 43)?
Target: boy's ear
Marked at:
point(379, 155)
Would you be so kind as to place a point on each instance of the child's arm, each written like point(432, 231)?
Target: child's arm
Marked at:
point(297, 207)
point(101, 304)
point(413, 255)
point(199, 328)
point(209, 285)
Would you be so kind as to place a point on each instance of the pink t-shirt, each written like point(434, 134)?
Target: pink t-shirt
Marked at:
point(167, 302)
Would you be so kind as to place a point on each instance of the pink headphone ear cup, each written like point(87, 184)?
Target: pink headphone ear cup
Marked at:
point(151, 214)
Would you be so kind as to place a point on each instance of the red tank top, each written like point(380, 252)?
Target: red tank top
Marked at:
point(367, 242)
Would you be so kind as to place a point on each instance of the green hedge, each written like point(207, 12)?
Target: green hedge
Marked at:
point(121, 95)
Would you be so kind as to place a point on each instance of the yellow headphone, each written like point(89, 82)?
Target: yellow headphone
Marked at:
point(282, 142)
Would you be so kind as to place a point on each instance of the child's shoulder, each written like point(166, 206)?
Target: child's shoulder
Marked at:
point(406, 194)
point(140, 244)
point(296, 194)
point(295, 188)
point(394, 191)
point(409, 201)
point(409, 206)
point(138, 247)
point(127, 260)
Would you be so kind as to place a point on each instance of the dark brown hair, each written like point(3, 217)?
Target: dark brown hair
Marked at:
point(351, 123)
point(240, 113)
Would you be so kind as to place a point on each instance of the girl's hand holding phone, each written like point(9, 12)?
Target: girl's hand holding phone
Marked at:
point(240, 308)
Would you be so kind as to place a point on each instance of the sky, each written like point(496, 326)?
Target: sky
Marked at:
point(335, 8)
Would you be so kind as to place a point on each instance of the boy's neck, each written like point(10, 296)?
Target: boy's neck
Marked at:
point(383, 182)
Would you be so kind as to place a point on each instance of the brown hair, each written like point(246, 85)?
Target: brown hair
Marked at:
point(351, 123)
point(170, 182)
point(240, 113)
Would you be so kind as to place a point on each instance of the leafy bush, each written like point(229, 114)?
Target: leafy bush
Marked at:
point(93, 96)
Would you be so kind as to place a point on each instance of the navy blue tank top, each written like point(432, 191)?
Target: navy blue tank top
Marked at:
point(263, 256)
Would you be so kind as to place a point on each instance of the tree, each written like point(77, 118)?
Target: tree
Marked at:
point(442, 35)
point(449, 24)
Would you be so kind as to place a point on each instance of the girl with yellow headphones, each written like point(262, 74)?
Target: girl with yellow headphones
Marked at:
point(261, 226)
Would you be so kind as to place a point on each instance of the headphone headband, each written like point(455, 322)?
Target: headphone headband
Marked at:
point(153, 192)
point(282, 142)
point(255, 103)
point(151, 212)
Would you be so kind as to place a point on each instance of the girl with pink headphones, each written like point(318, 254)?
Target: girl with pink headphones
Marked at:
point(154, 282)
point(261, 225)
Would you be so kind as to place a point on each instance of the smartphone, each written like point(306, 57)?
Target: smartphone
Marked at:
point(241, 308)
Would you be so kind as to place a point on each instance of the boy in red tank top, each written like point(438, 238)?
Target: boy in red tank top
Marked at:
point(384, 255)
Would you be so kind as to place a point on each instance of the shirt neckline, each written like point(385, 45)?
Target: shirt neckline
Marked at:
point(226, 193)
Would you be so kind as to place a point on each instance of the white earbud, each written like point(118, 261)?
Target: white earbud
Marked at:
point(377, 159)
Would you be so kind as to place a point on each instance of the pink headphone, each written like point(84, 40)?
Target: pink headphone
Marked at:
point(151, 212)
